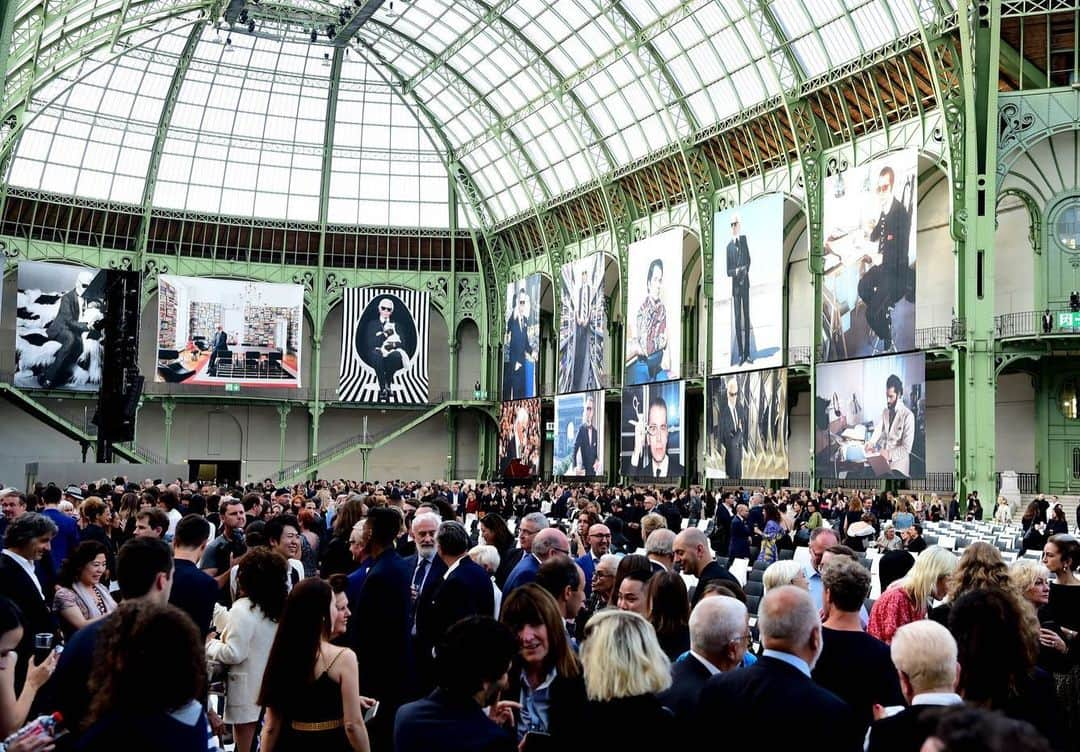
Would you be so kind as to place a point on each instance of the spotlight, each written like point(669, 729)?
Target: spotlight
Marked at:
point(243, 16)
point(251, 26)
point(330, 31)
point(314, 36)
point(228, 40)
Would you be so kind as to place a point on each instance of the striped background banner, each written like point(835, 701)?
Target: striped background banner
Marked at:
point(358, 382)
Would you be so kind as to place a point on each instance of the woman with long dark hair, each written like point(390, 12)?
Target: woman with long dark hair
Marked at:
point(546, 675)
point(337, 558)
point(244, 645)
point(95, 521)
point(494, 532)
point(81, 598)
point(669, 613)
point(311, 688)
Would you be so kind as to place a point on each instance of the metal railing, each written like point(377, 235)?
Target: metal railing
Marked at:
point(935, 482)
point(799, 479)
point(1031, 323)
point(1028, 482)
point(933, 336)
point(694, 370)
point(798, 355)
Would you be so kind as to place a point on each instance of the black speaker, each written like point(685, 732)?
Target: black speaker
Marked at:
point(121, 384)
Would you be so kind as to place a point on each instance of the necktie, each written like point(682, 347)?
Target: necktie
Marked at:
point(421, 570)
point(657, 472)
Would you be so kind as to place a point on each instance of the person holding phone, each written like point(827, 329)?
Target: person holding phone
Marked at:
point(546, 676)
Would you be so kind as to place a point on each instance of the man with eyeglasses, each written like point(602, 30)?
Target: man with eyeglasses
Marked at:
point(586, 453)
point(883, 285)
point(657, 463)
point(384, 343)
point(519, 348)
point(599, 542)
point(719, 638)
point(738, 269)
point(547, 543)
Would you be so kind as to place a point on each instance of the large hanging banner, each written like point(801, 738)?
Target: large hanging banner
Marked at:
point(871, 418)
point(215, 332)
point(652, 443)
point(521, 344)
point(579, 435)
point(384, 346)
point(59, 329)
point(747, 424)
point(582, 325)
point(519, 438)
point(654, 308)
point(868, 290)
point(748, 286)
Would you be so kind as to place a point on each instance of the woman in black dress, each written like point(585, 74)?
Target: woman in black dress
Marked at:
point(311, 688)
point(1061, 555)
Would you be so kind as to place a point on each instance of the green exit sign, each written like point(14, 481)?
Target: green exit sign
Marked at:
point(232, 387)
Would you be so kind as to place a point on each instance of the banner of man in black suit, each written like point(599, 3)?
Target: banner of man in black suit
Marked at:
point(747, 425)
point(579, 435)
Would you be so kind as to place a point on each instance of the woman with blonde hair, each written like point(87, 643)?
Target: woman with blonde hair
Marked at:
point(785, 572)
point(909, 599)
point(1003, 513)
point(625, 668)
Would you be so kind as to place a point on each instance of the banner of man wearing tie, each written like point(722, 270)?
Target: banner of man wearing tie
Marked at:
point(651, 443)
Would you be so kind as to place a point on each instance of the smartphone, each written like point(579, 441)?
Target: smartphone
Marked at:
point(537, 741)
point(370, 712)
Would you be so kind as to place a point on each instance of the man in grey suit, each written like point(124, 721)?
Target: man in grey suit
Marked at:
point(218, 347)
point(738, 268)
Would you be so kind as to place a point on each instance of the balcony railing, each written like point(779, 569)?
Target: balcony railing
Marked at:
point(1028, 482)
point(935, 482)
point(1033, 323)
point(798, 355)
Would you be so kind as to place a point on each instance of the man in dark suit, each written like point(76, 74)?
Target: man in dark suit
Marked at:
point(721, 537)
point(791, 635)
point(719, 637)
point(740, 534)
point(732, 436)
point(26, 540)
point(738, 269)
point(219, 345)
point(464, 590)
point(599, 542)
point(425, 568)
point(548, 542)
point(455, 498)
point(883, 285)
point(519, 348)
point(67, 328)
point(517, 445)
point(193, 590)
point(582, 305)
point(585, 455)
point(924, 653)
point(471, 671)
point(380, 633)
point(383, 342)
point(652, 437)
point(693, 556)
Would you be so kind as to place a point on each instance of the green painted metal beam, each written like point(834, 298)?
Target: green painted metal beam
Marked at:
point(1015, 65)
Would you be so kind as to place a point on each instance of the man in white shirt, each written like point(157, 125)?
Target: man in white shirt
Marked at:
point(26, 540)
point(719, 637)
point(924, 653)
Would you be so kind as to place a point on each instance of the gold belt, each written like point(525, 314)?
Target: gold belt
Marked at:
point(317, 726)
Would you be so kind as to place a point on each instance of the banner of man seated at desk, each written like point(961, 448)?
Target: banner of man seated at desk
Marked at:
point(868, 292)
point(747, 425)
point(579, 435)
point(652, 441)
point(871, 418)
point(748, 286)
point(215, 332)
point(519, 438)
point(384, 346)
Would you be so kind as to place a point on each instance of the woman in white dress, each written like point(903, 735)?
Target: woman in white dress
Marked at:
point(244, 644)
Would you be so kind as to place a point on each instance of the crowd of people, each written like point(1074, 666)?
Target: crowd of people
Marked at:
point(409, 616)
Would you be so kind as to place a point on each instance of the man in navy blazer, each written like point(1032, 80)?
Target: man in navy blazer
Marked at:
point(599, 543)
point(740, 534)
point(379, 631)
point(719, 632)
point(791, 635)
point(547, 543)
point(473, 660)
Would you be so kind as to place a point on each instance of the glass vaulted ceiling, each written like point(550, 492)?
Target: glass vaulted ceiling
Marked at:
point(533, 98)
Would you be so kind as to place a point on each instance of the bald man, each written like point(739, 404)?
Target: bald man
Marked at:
point(692, 554)
point(791, 635)
point(547, 543)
